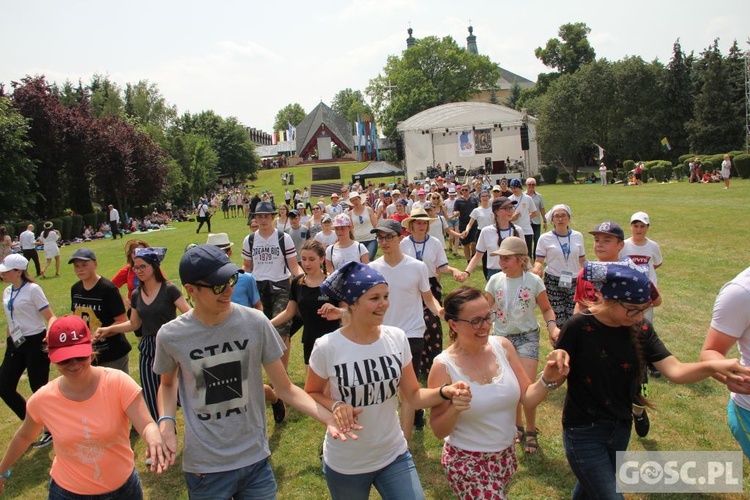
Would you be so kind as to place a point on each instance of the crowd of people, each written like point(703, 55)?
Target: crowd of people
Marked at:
point(372, 327)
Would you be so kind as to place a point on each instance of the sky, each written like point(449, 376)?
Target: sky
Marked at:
point(249, 59)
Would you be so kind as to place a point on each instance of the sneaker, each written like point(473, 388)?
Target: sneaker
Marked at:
point(419, 420)
point(642, 424)
point(279, 411)
point(45, 440)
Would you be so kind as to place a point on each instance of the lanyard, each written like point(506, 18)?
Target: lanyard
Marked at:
point(565, 247)
point(517, 295)
point(12, 298)
point(419, 253)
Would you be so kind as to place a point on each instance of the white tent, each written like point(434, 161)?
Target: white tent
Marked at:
point(466, 134)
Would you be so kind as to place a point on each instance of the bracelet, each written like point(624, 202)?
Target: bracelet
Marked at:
point(335, 405)
point(467, 272)
point(166, 417)
point(6, 475)
point(442, 394)
point(551, 321)
point(548, 385)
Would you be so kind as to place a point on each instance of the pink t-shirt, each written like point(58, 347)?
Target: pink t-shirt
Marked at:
point(91, 438)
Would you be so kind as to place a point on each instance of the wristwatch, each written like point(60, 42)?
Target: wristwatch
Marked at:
point(548, 385)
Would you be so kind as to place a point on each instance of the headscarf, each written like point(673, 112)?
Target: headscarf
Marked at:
point(152, 255)
point(624, 281)
point(350, 282)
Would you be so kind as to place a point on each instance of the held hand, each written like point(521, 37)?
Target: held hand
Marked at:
point(460, 276)
point(738, 387)
point(458, 389)
point(538, 270)
point(345, 419)
point(100, 333)
point(330, 312)
point(554, 336)
point(733, 370)
point(157, 451)
point(170, 442)
point(557, 366)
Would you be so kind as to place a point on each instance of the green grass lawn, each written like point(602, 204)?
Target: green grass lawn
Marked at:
point(702, 230)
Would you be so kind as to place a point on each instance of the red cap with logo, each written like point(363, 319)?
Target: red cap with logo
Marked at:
point(68, 337)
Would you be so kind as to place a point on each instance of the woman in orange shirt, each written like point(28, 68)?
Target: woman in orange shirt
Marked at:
point(88, 411)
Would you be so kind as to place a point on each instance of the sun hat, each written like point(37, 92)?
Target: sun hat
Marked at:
point(559, 206)
point(417, 213)
point(68, 337)
point(264, 207)
point(640, 217)
point(220, 240)
point(206, 263)
point(497, 188)
point(512, 245)
point(355, 194)
point(451, 192)
point(14, 261)
point(351, 281)
point(609, 227)
point(387, 226)
point(624, 281)
point(342, 220)
point(82, 254)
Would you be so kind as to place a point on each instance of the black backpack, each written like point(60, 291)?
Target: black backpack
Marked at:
point(280, 233)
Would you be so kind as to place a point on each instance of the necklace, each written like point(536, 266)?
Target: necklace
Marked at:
point(482, 369)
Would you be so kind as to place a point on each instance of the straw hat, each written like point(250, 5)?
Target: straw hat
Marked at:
point(417, 213)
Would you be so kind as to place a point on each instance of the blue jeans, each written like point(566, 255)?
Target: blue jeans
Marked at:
point(590, 451)
point(372, 248)
point(131, 490)
point(396, 481)
point(254, 481)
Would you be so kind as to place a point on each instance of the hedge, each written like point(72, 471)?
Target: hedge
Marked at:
point(76, 226)
point(742, 164)
point(67, 221)
point(90, 220)
point(549, 172)
point(566, 178)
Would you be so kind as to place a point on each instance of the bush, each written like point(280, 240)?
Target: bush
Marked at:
point(628, 165)
point(686, 158)
point(101, 218)
point(680, 171)
point(67, 224)
point(742, 164)
point(662, 171)
point(90, 220)
point(76, 226)
point(549, 172)
point(566, 178)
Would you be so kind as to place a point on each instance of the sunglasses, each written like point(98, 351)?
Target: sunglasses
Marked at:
point(219, 289)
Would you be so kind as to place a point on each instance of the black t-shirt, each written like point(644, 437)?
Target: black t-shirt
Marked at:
point(99, 307)
point(604, 368)
point(309, 300)
point(464, 207)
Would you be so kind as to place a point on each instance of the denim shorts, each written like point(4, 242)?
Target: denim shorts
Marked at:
point(526, 343)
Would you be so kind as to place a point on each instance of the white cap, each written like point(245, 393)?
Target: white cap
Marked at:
point(640, 217)
point(14, 261)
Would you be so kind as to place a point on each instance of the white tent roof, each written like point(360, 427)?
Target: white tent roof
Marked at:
point(461, 114)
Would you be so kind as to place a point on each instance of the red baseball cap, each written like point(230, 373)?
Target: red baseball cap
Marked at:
point(68, 337)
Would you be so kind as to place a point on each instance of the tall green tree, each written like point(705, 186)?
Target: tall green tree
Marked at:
point(711, 129)
point(735, 71)
point(17, 172)
point(193, 170)
point(566, 54)
point(290, 114)
point(350, 104)
point(106, 97)
point(144, 102)
point(515, 95)
point(677, 106)
point(432, 72)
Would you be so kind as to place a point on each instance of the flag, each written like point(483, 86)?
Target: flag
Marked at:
point(273, 138)
point(291, 132)
point(665, 145)
point(601, 151)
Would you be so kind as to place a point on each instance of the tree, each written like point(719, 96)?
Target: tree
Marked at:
point(735, 74)
point(571, 51)
point(710, 130)
point(350, 104)
point(106, 97)
point(432, 72)
point(194, 165)
point(17, 172)
point(290, 114)
point(515, 94)
point(144, 102)
point(677, 108)
point(567, 54)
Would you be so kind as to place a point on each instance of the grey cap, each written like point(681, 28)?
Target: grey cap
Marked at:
point(387, 226)
point(82, 254)
point(206, 263)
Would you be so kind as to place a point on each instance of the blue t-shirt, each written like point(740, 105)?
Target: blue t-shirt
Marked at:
point(246, 291)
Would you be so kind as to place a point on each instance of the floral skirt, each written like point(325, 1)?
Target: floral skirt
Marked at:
point(475, 475)
point(433, 335)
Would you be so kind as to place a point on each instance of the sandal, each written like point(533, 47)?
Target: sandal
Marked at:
point(520, 434)
point(531, 445)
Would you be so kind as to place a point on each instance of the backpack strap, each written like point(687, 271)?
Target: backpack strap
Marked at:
point(282, 247)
